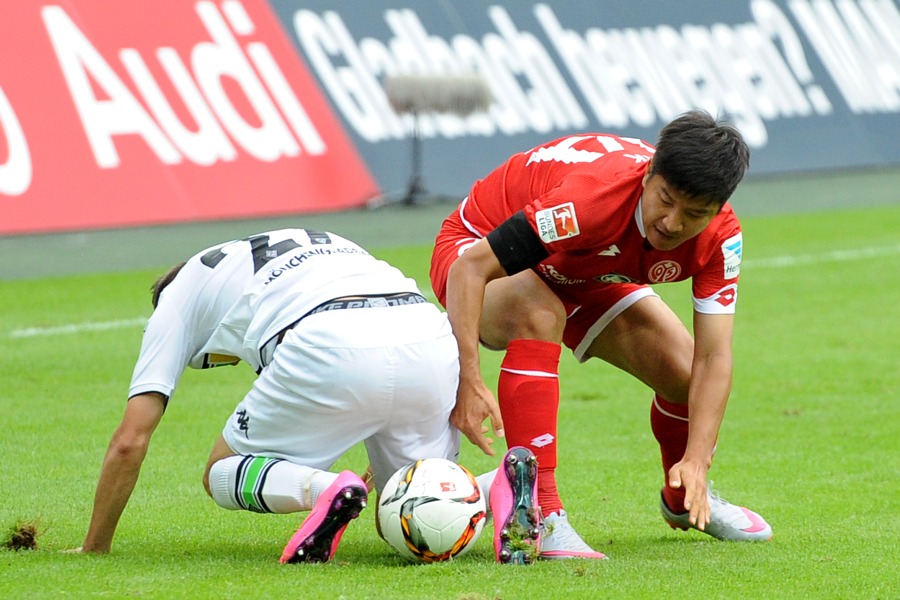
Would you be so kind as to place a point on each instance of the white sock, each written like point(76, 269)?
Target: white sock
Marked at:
point(263, 484)
point(485, 480)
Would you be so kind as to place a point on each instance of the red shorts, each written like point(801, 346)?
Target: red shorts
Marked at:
point(452, 240)
point(589, 308)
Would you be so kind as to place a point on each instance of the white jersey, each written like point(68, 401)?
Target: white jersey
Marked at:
point(229, 300)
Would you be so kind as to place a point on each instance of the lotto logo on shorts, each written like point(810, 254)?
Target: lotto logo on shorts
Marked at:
point(557, 223)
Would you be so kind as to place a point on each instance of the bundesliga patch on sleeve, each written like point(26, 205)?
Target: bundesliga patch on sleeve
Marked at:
point(557, 223)
point(732, 248)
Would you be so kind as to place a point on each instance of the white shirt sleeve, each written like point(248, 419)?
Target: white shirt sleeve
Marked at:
point(164, 354)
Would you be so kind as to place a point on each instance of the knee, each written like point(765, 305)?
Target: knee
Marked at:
point(521, 307)
point(538, 319)
point(674, 393)
point(540, 323)
point(220, 451)
point(545, 321)
point(206, 480)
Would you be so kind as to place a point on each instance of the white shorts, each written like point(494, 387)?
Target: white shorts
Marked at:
point(386, 376)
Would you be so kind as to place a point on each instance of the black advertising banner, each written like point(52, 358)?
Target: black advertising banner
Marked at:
point(812, 84)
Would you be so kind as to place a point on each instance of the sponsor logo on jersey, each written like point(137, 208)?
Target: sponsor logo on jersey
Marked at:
point(557, 223)
point(664, 271)
point(732, 249)
point(615, 278)
point(448, 486)
point(555, 276)
point(611, 251)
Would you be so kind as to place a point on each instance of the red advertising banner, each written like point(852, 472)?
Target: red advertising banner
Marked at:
point(128, 113)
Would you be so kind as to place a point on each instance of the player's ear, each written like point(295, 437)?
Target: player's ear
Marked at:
point(648, 174)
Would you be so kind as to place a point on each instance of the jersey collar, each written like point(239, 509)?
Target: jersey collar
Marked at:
point(639, 217)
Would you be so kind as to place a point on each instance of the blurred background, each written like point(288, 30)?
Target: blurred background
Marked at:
point(133, 134)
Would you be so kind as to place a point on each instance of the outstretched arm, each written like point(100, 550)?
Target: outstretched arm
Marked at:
point(711, 377)
point(121, 468)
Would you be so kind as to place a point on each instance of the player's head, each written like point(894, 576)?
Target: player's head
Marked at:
point(701, 157)
point(160, 284)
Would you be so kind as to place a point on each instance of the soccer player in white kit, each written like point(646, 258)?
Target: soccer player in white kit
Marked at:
point(346, 350)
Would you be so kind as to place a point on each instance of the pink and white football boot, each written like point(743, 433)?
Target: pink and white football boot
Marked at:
point(318, 537)
point(559, 540)
point(514, 505)
point(727, 521)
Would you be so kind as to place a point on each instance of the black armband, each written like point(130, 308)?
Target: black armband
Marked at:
point(516, 245)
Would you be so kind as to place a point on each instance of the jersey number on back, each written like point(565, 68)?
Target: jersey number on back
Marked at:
point(261, 250)
point(564, 150)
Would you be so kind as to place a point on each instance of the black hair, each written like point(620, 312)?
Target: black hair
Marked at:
point(701, 157)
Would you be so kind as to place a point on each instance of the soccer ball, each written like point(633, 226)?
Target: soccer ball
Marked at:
point(431, 510)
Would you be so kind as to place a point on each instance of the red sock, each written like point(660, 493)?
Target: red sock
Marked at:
point(669, 423)
point(528, 393)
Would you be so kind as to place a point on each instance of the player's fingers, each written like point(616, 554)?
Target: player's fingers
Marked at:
point(695, 509)
point(497, 422)
point(705, 510)
point(700, 515)
point(675, 477)
point(675, 483)
point(477, 437)
point(485, 445)
point(695, 495)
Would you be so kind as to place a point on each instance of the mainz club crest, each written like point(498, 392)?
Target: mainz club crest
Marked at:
point(664, 271)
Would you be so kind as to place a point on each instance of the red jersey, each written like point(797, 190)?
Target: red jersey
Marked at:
point(582, 197)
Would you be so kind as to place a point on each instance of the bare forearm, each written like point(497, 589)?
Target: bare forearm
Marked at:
point(118, 477)
point(710, 387)
point(465, 296)
point(121, 467)
point(466, 284)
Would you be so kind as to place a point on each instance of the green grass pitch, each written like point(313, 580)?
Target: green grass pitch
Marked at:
point(811, 441)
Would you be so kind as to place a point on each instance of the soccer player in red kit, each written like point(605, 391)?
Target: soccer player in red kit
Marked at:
point(558, 246)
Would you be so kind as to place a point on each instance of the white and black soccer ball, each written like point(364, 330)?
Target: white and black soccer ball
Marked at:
point(431, 510)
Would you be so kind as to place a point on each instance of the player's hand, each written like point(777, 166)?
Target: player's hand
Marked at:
point(474, 404)
point(691, 475)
